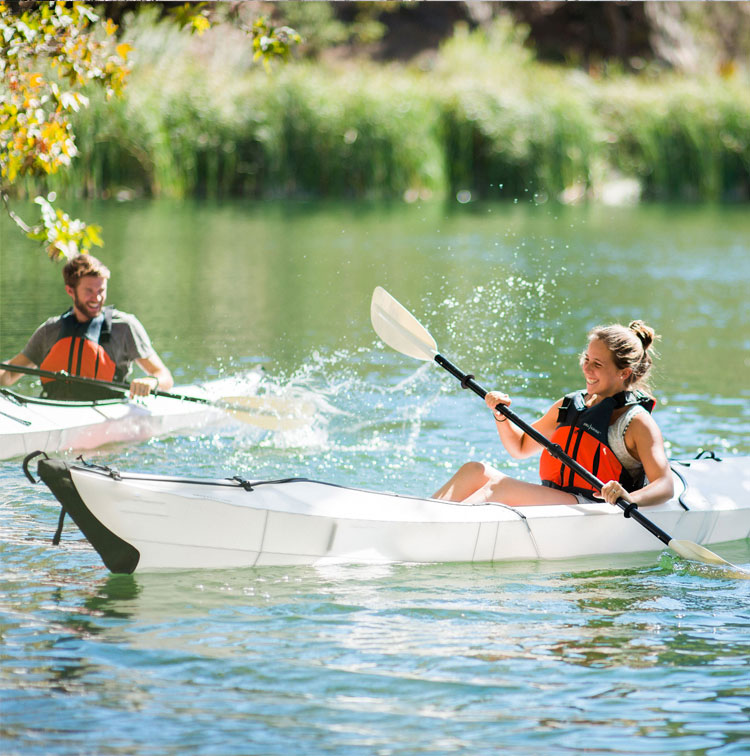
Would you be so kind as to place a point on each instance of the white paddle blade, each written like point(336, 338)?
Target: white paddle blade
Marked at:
point(276, 404)
point(690, 550)
point(398, 328)
point(269, 422)
point(269, 412)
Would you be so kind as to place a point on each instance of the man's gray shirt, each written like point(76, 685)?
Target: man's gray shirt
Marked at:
point(128, 341)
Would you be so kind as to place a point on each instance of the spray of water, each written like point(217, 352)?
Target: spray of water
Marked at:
point(375, 418)
point(370, 417)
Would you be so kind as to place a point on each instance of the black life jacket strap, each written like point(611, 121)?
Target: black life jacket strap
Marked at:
point(100, 328)
point(106, 331)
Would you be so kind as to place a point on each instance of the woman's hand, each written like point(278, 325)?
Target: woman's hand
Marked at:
point(613, 491)
point(493, 398)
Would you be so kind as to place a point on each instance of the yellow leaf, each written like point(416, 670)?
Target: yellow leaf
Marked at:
point(110, 27)
point(123, 49)
point(92, 232)
point(201, 24)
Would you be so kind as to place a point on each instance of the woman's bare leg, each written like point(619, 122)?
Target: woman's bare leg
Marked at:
point(476, 482)
point(503, 489)
point(467, 479)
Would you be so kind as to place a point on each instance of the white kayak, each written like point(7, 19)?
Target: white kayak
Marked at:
point(150, 522)
point(31, 423)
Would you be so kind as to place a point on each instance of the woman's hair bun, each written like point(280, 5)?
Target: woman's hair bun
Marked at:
point(645, 333)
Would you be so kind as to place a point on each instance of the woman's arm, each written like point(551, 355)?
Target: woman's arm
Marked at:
point(515, 441)
point(645, 442)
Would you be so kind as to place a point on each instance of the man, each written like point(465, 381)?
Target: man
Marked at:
point(91, 340)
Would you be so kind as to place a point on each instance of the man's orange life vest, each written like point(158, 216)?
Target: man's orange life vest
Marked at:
point(582, 434)
point(79, 350)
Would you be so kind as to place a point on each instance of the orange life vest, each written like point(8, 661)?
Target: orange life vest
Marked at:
point(79, 350)
point(582, 434)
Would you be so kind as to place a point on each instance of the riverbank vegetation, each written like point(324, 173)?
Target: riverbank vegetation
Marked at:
point(481, 118)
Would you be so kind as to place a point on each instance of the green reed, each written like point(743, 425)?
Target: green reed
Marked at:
point(686, 140)
point(482, 117)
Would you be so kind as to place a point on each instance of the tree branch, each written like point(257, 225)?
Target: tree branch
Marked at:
point(14, 216)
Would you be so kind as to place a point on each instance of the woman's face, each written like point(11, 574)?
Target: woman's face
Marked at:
point(602, 375)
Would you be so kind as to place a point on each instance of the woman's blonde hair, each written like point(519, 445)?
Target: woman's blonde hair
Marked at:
point(630, 347)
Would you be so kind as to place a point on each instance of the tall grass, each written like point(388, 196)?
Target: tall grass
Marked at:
point(199, 119)
point(687, 140)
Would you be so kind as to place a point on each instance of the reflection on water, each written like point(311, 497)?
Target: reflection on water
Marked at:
point(636, 654)
point(392, 654)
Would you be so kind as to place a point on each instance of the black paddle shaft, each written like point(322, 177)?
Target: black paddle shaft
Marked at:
point(67, 378)
point(630, 510)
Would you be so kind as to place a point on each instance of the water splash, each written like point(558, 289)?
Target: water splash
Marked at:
point(503, 327)
point(375, 411)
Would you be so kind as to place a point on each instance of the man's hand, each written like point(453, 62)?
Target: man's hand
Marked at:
point(143, 386)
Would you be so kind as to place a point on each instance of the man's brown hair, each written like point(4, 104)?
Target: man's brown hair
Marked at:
point(83, 265)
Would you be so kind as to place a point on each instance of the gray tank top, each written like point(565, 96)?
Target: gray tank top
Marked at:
point(616, 439)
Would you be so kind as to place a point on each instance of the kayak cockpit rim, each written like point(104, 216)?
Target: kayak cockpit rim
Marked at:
point(237, 481)
point(23, 399)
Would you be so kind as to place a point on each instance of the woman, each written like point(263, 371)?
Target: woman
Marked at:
point(607, 428)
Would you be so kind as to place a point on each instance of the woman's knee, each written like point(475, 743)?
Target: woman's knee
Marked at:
point(473, 469)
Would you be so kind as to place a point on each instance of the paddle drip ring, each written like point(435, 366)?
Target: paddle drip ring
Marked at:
point(465, 381)
point(630, 508)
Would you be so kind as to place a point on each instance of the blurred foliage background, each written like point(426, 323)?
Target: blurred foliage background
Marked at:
point(612, 102)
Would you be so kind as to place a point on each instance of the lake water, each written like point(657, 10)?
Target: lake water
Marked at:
point(640, 655)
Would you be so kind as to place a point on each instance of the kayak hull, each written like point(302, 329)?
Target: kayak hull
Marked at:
point(28, 424)
point(149, 522)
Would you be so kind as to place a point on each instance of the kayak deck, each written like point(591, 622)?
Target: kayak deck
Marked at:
point(33, 423)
